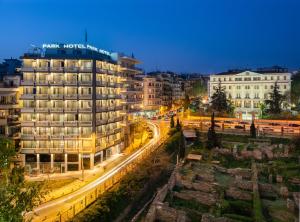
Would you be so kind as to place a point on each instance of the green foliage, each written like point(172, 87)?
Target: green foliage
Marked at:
point(16, 196)
point(257, 208)
point(197, 143)
point(238, 218)
point(198, 89)
point(178, 125)
point(212, 138)
point(295, 90)
point(252, 130)
point(275, 101)
point(172, 123)
point(186, 102)
point(173, 142)
point(219, 102)
point(182, 146)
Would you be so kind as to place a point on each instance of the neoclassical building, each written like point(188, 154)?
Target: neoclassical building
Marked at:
point(247, 89)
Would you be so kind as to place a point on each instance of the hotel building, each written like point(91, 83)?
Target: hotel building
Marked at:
point(247, 90)
point(152, 93)
point(72, 108)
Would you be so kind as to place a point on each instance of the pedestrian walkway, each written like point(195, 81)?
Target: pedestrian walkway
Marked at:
point(89, 176)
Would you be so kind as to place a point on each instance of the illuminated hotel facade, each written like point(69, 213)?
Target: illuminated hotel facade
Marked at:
point(72, 115)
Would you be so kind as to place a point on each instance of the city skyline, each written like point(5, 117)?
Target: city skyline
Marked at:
point(170, 35)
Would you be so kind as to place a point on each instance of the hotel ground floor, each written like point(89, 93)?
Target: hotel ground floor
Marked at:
point(46, 163)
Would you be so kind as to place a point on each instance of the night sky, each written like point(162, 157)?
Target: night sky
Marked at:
point(184, 36)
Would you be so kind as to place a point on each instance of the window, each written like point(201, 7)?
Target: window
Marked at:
point(247, 87)
point(271, 77)
point(284, 86)
point(247, 96)
point(238, 87)
point(230, 79)
point(256, 87)
point(256, 96)
point(266, 87)
point(266, 78)
point(256, 78)
point(229, 87)
point(214, 79)
point(278, 78)
point(247, 79)
point(224, 79)
point(284, 77)
point(238, 79)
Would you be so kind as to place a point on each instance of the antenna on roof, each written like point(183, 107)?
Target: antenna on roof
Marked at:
point(85, 36)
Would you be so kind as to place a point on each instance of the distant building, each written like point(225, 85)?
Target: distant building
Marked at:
point(152, 94)
point(10, 67)
point(248, 89)
point(10, 107)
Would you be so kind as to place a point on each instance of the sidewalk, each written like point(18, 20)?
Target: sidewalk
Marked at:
point(89, 176)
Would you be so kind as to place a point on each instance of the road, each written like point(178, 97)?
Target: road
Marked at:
point(65, 207)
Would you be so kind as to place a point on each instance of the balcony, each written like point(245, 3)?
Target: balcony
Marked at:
point(41, 83)
point(56, 82)
point(27, 96)
point(111, 84)
point(57, 110)
point(101, 83)
point(99, 70)
point(27, 83)
point(42, 123)
point(101, 122)
point(85, 96)
point(70, 136)
point(118, 108)
point(71, 109)
point(42, 69)
point(27, 136)
point(110, 72)
point(101, 96)
point(42, 96)
point(85, 123)
point(56, 137)
point(71, 69)
point(41, 110)
point(27, 123)
point(71, 83)
point(56, 69)
point(85, 83)
point(110, 108)
point(85, 69)
point(27, 110)
point(56, 123)
point(117, 130)
point(101, 109)
point(42, 137)
point(57, 96)
point(70, 123)
point(85, 110)
point(71, 96)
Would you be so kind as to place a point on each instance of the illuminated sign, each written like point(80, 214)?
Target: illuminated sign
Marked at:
point(75, 46)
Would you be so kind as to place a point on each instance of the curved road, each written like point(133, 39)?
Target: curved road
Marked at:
point(53, 208)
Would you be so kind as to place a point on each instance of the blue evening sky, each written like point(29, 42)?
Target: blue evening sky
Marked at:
point(179, 35)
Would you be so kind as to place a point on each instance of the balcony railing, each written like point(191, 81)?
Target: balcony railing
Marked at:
point(71, 96)
point(41, 137)
point(57, 109)
point(27, 123)
point(99, 70)
point(57, 96)
point(41, 82)
point(42, 69)
point(57, 137)
point(101, 96)
point(56, 69)
point(101, 109)
point(42, 123)
point(71, 109)
point(85, 69)
point(101, 122)
point(56, 82)
point(85, 123)
point(85, 83)
point(71, 82)
point(101, 83)
point(27, 96)
point(41, 110)
point(85, 96)
point(85, 110)
point(27, 110)
point(56, 123)
point(71, 69)
point(27, 136)
point(41, 96)
point(27, 83)
point(70, 123)
point(27, 69)
point(71, 136)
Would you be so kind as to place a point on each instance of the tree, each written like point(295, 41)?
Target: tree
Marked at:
point(262, 108)
point(182, 145)
point(178, 125)
point(16, 196)
point(219, 102)
point(275, 101)
point(172, 123)
point(295, 90)
point(252, 130)
point(212, 140)
point(186, 102)
point(197, 142)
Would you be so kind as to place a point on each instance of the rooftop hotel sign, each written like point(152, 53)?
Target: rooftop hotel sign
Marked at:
point(74, 46)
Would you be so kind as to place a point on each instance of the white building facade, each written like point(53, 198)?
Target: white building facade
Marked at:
point(248, 90)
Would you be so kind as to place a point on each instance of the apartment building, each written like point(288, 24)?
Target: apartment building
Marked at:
point(10, 108)
point(152, 93)
point(72, 108)
point(248, 89)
